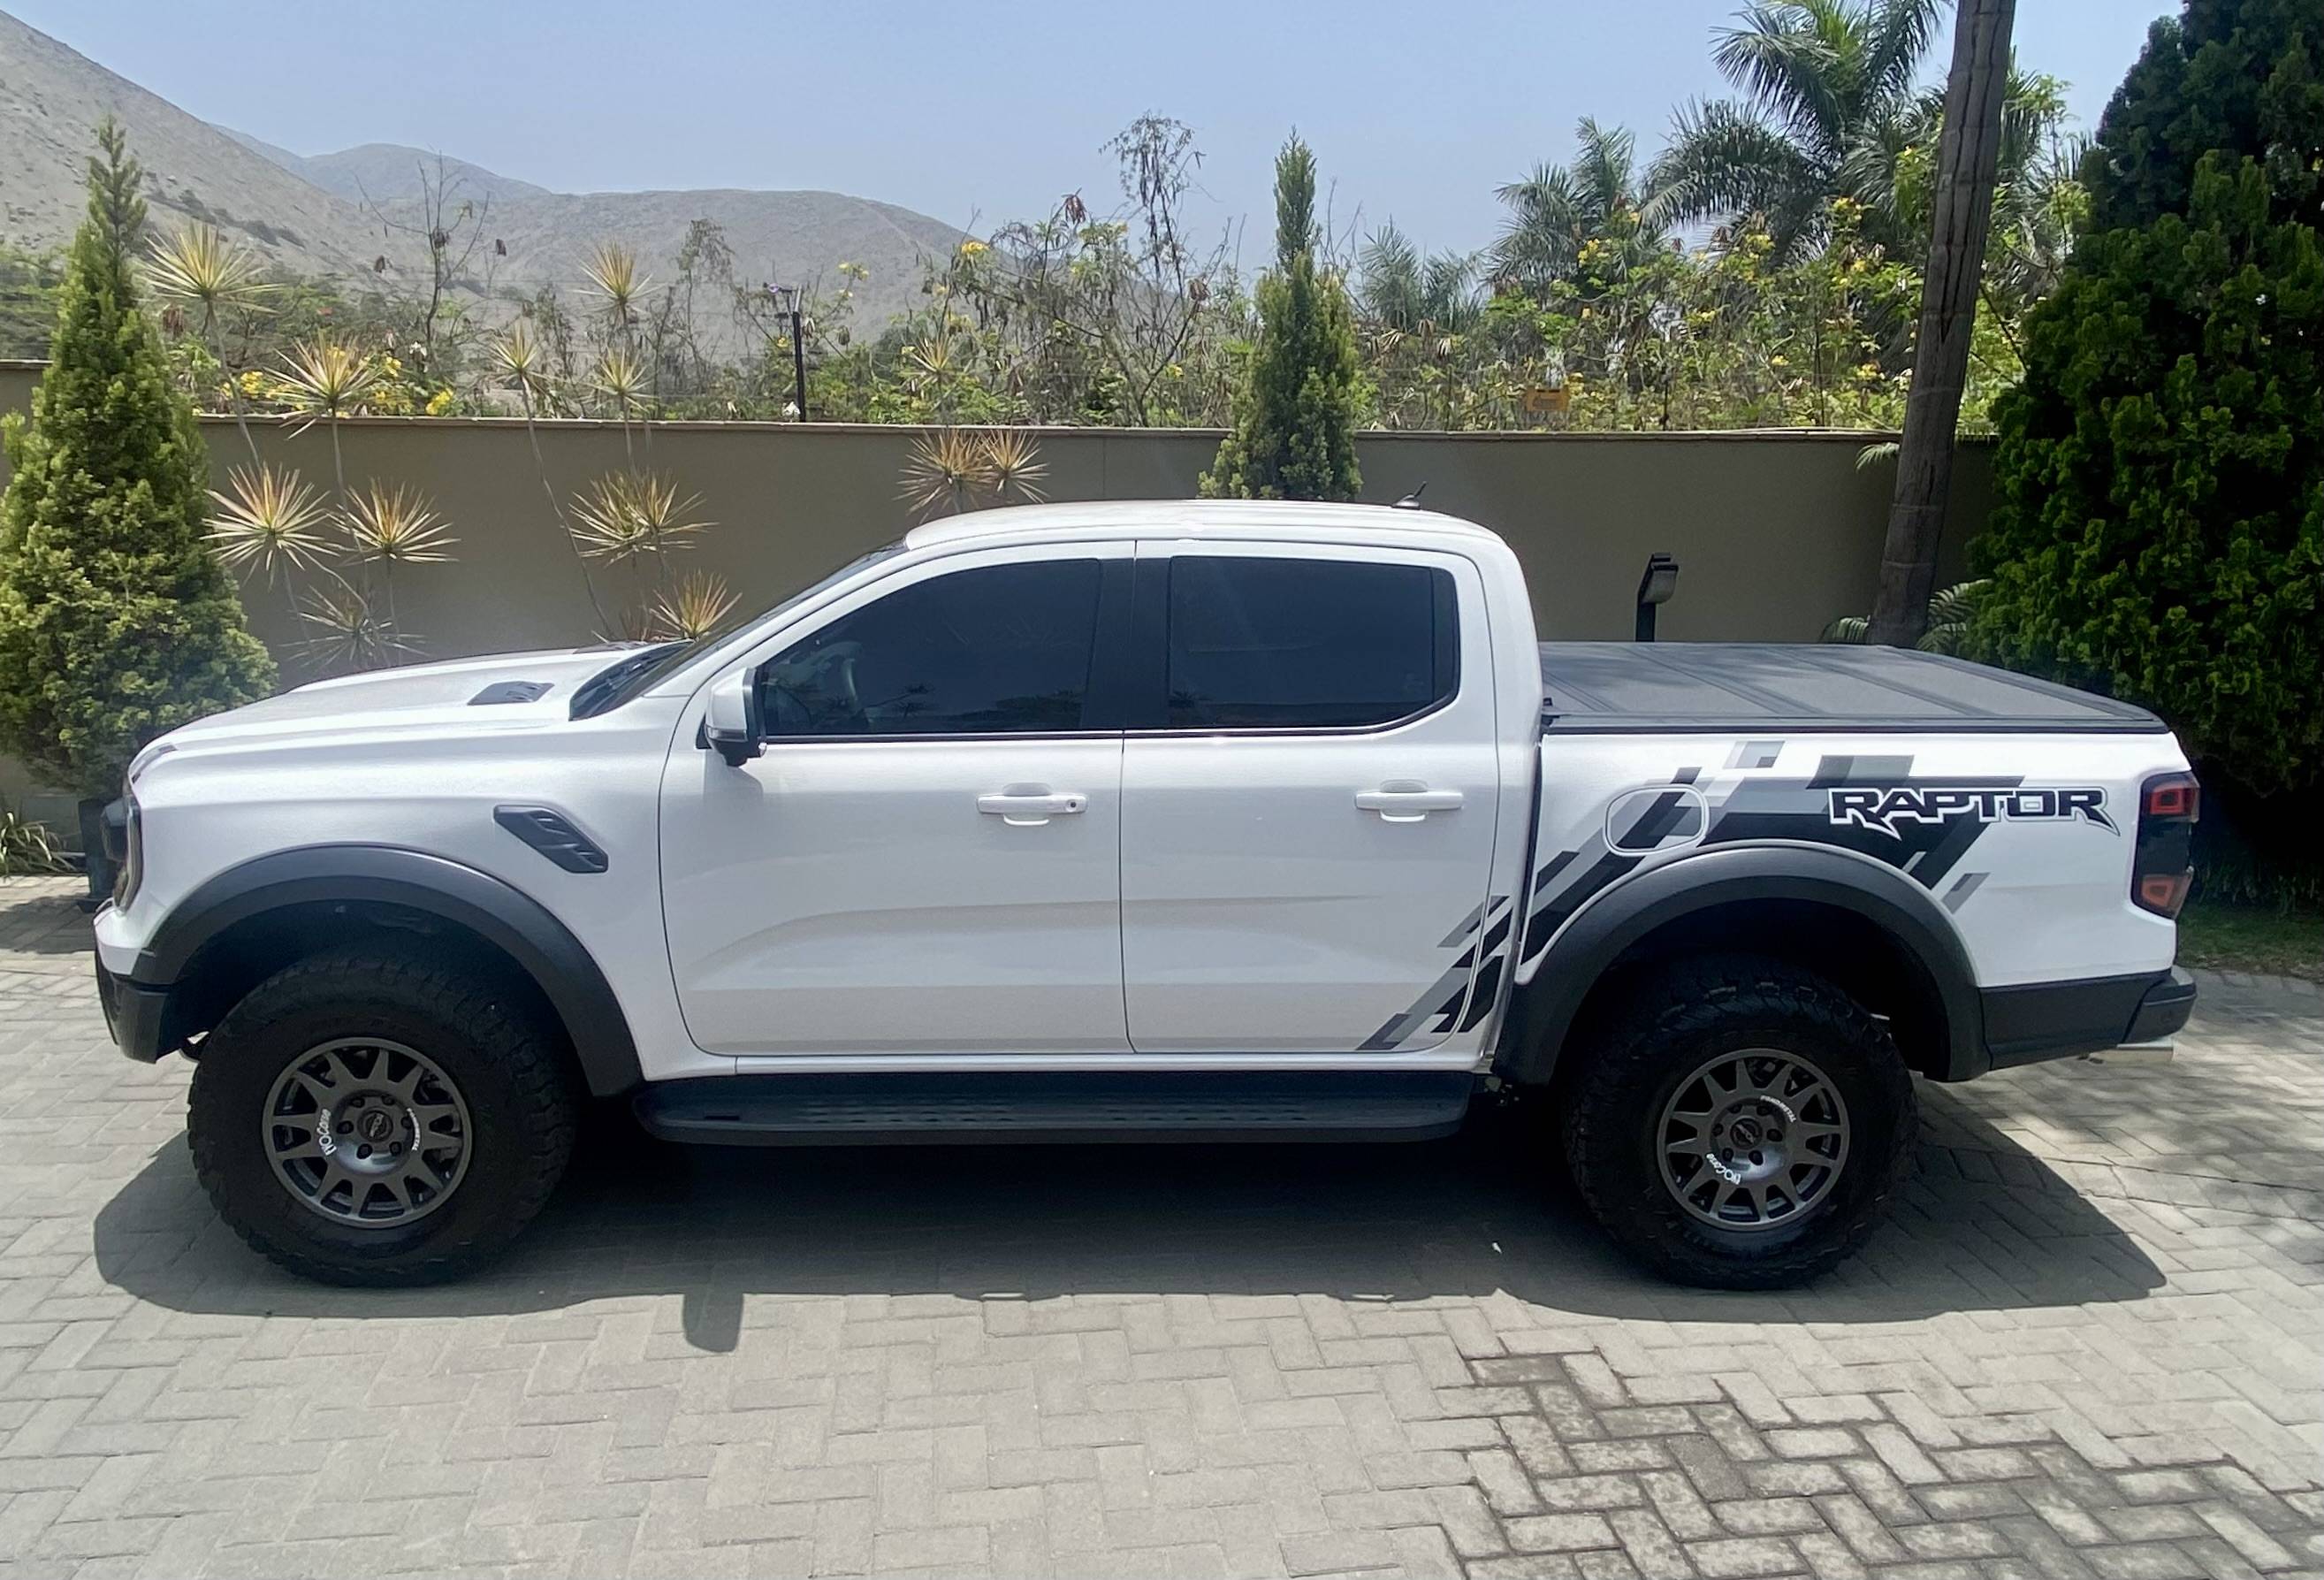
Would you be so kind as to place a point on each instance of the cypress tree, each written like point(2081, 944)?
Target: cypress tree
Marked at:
point(2158, 533)
point(1293, 432)
point(116, 622)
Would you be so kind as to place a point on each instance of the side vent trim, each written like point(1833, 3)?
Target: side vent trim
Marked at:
point(554, 835)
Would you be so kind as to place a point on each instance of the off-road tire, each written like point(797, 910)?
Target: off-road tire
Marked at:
point(520, 1089)
point(1668, 1022)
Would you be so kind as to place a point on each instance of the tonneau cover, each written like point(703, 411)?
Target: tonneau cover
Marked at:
point(1595, 686)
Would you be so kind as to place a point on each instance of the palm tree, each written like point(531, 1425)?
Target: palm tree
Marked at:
point(1828, 103)
point(1556, 212)
point(1401, 293)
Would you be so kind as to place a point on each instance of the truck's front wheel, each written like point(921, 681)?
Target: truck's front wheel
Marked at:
point(1738, 1122)
point(369, 1118)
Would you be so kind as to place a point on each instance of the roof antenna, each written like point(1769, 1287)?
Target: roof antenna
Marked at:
point(1412, 500)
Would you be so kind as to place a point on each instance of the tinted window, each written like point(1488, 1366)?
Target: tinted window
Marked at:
point(1307, 643)
point(999, 649)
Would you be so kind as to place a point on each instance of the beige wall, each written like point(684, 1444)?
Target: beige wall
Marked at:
point(1776, 531)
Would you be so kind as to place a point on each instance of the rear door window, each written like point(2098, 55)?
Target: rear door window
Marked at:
point(1259, 643)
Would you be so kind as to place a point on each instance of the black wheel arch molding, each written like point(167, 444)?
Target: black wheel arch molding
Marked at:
point(1615, 921)
point(567, 978)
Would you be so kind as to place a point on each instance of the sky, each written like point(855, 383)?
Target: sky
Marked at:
point(980, 113)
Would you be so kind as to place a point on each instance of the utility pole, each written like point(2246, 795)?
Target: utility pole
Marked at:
point(789, 300)
point(1968, 156)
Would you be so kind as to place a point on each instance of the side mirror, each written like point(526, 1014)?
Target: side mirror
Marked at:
point(733, 728)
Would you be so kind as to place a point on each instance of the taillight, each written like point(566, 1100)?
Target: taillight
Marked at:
point(2160, 872)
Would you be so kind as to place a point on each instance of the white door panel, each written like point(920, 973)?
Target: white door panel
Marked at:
point(869, 904)
point(1307, 891)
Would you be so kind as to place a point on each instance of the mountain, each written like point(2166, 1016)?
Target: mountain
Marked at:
point(51, 101)
point(789, 237)
point(328, 214)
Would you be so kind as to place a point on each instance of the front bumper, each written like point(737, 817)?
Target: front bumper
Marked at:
point(2059, 1020)
point(134, 1015)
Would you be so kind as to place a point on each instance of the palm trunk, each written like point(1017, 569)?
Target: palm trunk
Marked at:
point(1968, 156)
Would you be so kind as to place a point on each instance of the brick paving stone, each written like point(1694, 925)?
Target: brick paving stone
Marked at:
point(2085, 1345)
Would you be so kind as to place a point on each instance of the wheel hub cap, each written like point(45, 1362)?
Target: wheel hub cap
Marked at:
point(1752, 1139)
point(366, 1133)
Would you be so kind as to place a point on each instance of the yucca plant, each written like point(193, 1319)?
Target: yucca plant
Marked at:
point(624, 380)
point(944, 473)
point(394, 524)
point(613, 273)
point(629, 515)
point(1013, 467)
point(199, 268)
point(268, 521)
point(693, 609)
point(387, 525)
point(27, 847)
point(348, 628)
point(325, 380)
point(955, 469)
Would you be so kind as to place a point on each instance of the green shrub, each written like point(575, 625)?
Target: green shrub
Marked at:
point(1293, 432)
point(2158, 532)
point(116, 622)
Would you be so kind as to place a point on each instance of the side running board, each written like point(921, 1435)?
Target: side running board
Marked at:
point(852, 1110)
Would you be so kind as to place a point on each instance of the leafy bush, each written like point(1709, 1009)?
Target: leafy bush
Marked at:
point(1293, 428)
point(116, 622)
point(1951, 611)
point(2158, 533)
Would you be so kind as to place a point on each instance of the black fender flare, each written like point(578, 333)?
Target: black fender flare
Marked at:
point(1626, 912)
point(523, 929)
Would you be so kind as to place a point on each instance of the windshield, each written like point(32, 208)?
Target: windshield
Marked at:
point(634, 673)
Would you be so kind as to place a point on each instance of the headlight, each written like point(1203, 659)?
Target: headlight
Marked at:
point(132, 852)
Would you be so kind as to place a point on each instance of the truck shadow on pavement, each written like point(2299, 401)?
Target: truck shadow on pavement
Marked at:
point(1980, 1225)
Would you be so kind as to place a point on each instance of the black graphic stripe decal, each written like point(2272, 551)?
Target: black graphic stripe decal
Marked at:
point(1442, 1000)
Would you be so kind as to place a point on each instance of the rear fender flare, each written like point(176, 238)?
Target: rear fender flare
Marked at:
point(1597, 934)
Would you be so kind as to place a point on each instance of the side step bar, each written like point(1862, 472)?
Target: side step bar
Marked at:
point(854, 1110)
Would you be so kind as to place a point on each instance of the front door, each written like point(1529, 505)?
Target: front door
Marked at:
point(925, 857)
point(1307, 827)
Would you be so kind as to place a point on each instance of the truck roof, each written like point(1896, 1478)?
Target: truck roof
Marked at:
point(1602, 686)
point(1191, 518)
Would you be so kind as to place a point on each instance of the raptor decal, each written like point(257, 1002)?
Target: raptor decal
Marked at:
point(1869, 807)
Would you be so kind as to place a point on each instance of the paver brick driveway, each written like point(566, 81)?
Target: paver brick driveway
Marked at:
point(2088, 1345)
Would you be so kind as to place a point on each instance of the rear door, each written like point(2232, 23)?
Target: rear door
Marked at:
point(1309, 792)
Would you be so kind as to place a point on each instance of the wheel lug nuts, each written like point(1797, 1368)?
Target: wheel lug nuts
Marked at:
point(362, 1151)
point(346, 1129)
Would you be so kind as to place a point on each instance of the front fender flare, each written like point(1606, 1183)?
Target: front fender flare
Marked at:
point(1621, 915)
point(521, 925)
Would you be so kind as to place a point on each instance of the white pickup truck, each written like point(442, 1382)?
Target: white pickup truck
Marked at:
point(1145, 821)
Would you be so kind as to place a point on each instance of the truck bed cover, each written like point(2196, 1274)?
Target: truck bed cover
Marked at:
point(1602, 686)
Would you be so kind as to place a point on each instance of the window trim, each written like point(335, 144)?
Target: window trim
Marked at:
point(1151, 634)
point(1107, 691)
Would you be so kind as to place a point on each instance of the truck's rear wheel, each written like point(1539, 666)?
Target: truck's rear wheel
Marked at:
point(366, 1118)
point(1738, 1122)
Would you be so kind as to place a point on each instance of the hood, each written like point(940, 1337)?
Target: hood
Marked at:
point(504, 691)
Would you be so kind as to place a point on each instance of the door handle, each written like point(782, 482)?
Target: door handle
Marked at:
point(1028, 807)
point(1407, 803)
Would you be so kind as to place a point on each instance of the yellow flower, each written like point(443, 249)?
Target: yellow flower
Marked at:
point(441, 401)
point(972, 248)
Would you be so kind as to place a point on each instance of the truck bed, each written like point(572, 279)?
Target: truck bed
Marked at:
point(1595, 687)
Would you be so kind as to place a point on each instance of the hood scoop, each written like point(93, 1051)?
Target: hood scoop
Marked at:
point(510, 691)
